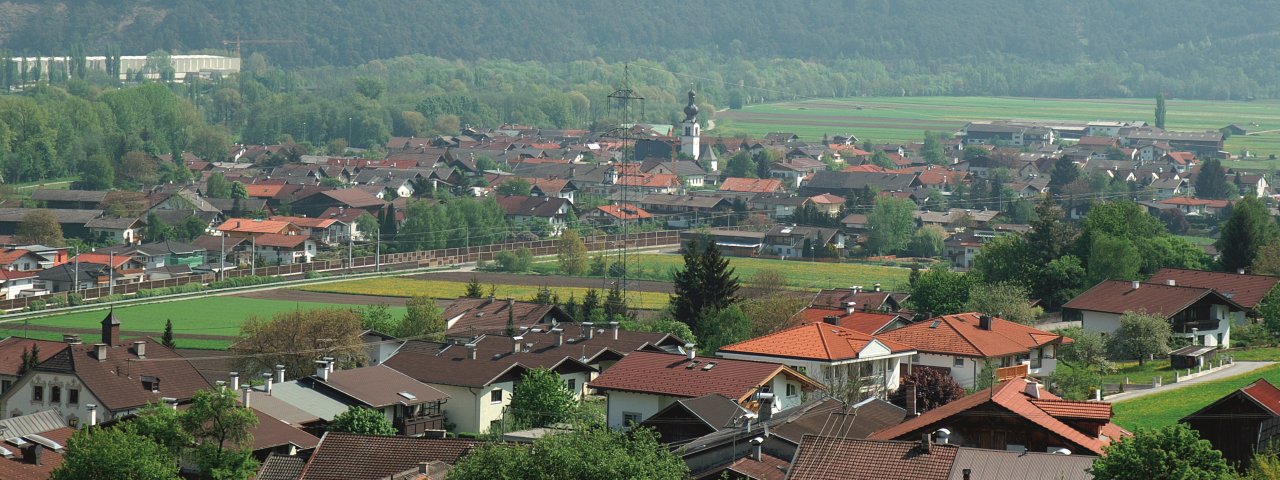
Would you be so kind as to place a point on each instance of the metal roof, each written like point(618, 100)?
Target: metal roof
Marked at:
point(34, 423)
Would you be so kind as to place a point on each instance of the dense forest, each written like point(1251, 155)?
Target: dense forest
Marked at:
point(1086, 48)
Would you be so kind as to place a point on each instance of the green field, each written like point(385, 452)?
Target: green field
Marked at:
point(219, 316)
point(800, 274)
point(904, 119)
point(1166, 408)
point(408, 287)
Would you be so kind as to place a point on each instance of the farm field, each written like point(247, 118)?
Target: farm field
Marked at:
point(440, 289)
point(208, 323)
point(800, 274)
point(904, 119)
point(1166, 408)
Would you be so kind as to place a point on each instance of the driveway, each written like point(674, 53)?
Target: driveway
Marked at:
point(1235, 369)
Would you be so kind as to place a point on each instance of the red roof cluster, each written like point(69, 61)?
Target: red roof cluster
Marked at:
point(813, 341)
point(962, 335)
point(678, 376)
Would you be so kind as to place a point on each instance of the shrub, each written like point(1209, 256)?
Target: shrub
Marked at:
point(75, 299)
point(35, 305)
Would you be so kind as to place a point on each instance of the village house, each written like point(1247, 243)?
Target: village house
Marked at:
point(521, 209)
point(751, 185)
point(1201, 314)
point(1240, 424)
point(410, 406)
point(823, 456)
point(645, 382)
point(963, 345)
point(792, 241)
point(847, 361)
point(346, 456)
point(683, 211)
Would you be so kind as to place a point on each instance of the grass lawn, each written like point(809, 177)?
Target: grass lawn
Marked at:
point(408, 287)
point(202, 316)
point(800, 274)
point(904, 119)
point(1166, 408)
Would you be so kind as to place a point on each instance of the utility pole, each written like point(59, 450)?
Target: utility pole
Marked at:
point(222, 259)
point(377, 251)
point(253, 256)
point(623, 97)
point(75, 276)
point(350, 243)
point(348, 134)
point(111, 273)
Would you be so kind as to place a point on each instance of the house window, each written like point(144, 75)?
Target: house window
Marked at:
point(495, 396)
point(958, 362)
point(629, 418)
point(791, 389)
point(55, 394)
point(73, 396)
point(915, 358)
point(37, 393)
point(4, 385)
point(572, 385)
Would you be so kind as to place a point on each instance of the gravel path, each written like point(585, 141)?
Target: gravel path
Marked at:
point(1235, 369)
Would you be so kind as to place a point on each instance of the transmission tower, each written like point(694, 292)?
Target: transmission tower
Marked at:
point(622, 100)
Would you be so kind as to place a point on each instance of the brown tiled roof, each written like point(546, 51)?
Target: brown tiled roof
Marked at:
point(823, 458)
point(669, 374)
point(812, 341)
point(117, 381)
point(249, 225)
point(11, 352)
point(348, 456)
point(272, 432)
point(352, 197)
point(768, 467)
point(960, 335)
point(1246, 290)
point(855, 421)
point(280, 240)
point(18, 468)
point(1073, 409)
point(757, 185)
point(380, 386)
point(1011, 396)
point(281, 467)
point(1118, 296)
point(544, 207)
point(489, 315)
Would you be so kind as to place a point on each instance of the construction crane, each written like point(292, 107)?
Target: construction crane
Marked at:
point(238, 42)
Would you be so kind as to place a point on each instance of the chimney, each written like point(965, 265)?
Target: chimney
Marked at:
point(1171, 282)
point(589, 329)
point(515, 344)
point(140, 348)
point(756, 447)
point(926, 445)
point(850, 307)
point(100, 351)
point(1134, 285)
point(268, 377)
point(247, 392)
point(690, 351)
point(559, 333)
point(614, 326)
point(110, 328)
point(279, 373)
point(910, 398)
point(968, 474)
point(984, 322)
point(855, 289)
point(944, 435)
point(1032, 389)
point(31, 454)
point(877, 287)
point(471, 351)
point(831, 320)
point(235, 380)
point(329, 361)
point(322, 370)
point(93, 414)
point(171, 402)
point(1240, 271)
point(71, 339)
point(765, 411)
point(221, 385)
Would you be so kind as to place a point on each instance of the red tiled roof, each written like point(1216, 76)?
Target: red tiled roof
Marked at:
point(768, 468)
point(249, 225)
point(827, 198)
point(1010, 395)
point(1196, 202)
point(1182, 158)
point(960, 335)
point(18, 468)
point(1118, 296)
point(625, 212)
point(666, 374)
point(115, 261)
point(812, 341)
point(6, 275)
point(11, 255)
point(349, 456)
point(263, 191)
point(867, 322)
point(353, 197)
point(1246, 290)
point(306, 222)
point(823, 458)
point(280, 240)
point(757, 185)
point(1266, 394)
point(11, 352)
point(1074, 410)
point(649, 180)
point(865, 167)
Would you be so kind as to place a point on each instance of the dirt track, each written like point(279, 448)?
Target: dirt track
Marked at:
point(540, 280)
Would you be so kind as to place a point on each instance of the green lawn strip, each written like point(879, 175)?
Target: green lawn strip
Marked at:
point(220, 315)
point(1166, 408)
point(1264, 354)
point(799, 273)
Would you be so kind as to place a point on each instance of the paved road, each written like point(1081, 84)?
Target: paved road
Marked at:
point(1236, 369)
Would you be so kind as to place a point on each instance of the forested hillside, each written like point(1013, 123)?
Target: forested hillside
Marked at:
point(1086, 48)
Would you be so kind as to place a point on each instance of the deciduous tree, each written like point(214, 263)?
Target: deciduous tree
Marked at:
point(571, 253)
point(1175, 451)
point(939, 291)
point(422, 319)
point(586, 453)
point(40, 227)
point(933, 388)
point(1005, 300)
point(1139, 336)
point(362, 420)
point(113, 453)
point(540, 399)
point(891, 223)
point(296, 338)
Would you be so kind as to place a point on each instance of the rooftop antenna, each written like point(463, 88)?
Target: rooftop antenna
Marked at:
point(621, 99)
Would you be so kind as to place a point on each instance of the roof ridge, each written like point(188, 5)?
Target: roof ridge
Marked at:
point(947, 321)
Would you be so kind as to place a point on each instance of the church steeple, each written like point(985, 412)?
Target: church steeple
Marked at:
point(690, 143)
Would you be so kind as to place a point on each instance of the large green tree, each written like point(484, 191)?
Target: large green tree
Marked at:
point(1139, 336)
point(1249, 228)
point(705, 282)
point(1175, 451)
point(585, 453)
point(222, 430)
point(97, 453)
point(1064, 173)
point(939, 291)
point(1211, 180)
point(891, 223)
point(40, 227)
point(540, 399)
point(1005, 300)
point(571, 253)
point(422, 319)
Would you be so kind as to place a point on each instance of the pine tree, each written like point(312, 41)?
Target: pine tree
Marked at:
point(166, 339)
point(615, 303)
point(1248, 229)
point(1160, 111)
point(474, 290)
point(590, 302)
point(705, 282)
point(1211, 182)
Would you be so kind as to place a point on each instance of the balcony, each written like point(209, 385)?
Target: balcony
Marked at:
point(1201, 326)
point(416, 426)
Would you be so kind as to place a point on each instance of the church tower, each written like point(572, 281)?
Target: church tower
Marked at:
point(690, 131)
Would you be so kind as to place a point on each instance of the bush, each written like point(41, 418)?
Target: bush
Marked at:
point(158, 292)
point(245, 281)
point(35, 305)
point(74, 299)
point(514, 261)
point(1251, 335)
point(312, 274)
point(57, 301)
